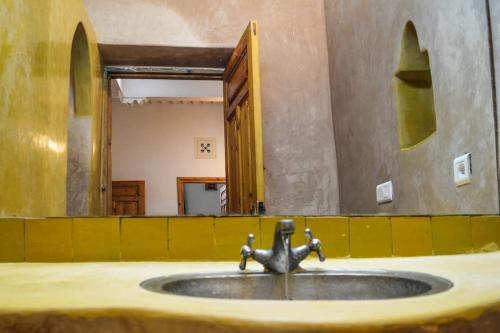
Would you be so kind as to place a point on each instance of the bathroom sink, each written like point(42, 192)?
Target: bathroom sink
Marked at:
point(318, 285)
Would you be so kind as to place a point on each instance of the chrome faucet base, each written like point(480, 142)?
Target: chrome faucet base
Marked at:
point(282, 258)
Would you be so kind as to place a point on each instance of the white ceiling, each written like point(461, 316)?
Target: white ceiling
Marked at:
point(186, 89)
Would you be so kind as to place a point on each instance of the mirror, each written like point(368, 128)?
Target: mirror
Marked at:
point(202, 198)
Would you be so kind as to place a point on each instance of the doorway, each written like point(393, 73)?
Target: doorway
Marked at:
point(240, 112)
point(162, 130)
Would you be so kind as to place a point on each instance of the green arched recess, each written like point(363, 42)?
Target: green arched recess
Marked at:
point(81, 72)
point(415, 98)
point(79, 122)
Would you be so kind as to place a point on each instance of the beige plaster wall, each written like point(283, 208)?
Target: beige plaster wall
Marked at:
point(299, 156)
point(495, 27)
point(363, 40)
point(78, 166)
point(155, 143)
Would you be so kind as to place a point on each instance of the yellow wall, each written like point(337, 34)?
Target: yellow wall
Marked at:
point(35, 50)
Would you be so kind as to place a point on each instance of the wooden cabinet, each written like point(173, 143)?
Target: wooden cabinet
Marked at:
point(129, 198)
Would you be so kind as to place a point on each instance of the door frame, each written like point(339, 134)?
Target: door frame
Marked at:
point(181, 208)
point(137, 72)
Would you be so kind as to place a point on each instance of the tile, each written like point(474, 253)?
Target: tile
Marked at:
point(191, 238)
point(144, 239)
point(411, 236)
point(49, 240)
point(231, 234)
point(96, 239)
point(11, 240)
point(370, 237)
point(484, 233)
point(268, 223)
point(451, 234)
point(333, 233)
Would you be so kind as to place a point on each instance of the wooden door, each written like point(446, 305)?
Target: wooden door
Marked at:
point(243, 127)
point(129, 198)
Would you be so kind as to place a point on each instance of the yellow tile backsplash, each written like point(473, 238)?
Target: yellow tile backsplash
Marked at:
point(370, 237)
point(333, 233)
point(49, 240)
point(11, 240)
point(484, 233)
point(220, 238)
point(268, 223)
point(191, 238)
point(411, 236)
point(96, 239)
point(451, 234)
point(231, 233)
point(144, 239)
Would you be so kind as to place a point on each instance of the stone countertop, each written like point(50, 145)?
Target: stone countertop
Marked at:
point(92, 292)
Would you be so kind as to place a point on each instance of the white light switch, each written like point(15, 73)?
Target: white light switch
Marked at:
point(384, 192)
point(462, 170)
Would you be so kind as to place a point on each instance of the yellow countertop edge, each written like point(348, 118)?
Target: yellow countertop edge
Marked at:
point(476, 276)
point(244, 325)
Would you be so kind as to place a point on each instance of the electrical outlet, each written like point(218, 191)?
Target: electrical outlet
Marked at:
point(462, 170)
point(384, 192)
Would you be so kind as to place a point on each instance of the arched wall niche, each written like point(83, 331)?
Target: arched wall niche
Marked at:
point(79, 126)
point(80, 71)
point(414, 92)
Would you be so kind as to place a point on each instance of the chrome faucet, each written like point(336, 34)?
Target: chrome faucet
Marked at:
point(282, 258)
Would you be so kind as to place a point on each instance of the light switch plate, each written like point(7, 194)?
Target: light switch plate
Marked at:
point(462, 170)
point(205, 148)
point(384, 192)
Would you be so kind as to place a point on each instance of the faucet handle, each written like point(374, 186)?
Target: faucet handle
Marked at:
point(246, 251)
point(250, 239)
point(314, 244)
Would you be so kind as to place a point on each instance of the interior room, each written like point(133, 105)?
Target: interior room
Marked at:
point(165, 132)
point(249, 166)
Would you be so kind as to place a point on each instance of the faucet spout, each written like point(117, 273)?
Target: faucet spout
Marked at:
point(285, 227)
point(282, 258)
point(283, 232)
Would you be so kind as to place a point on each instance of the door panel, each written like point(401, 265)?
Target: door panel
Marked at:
point(238, 79)
point(243, 127)
point(232, 160)
point(247, 159)
point(128, 198)
point(125, 208)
